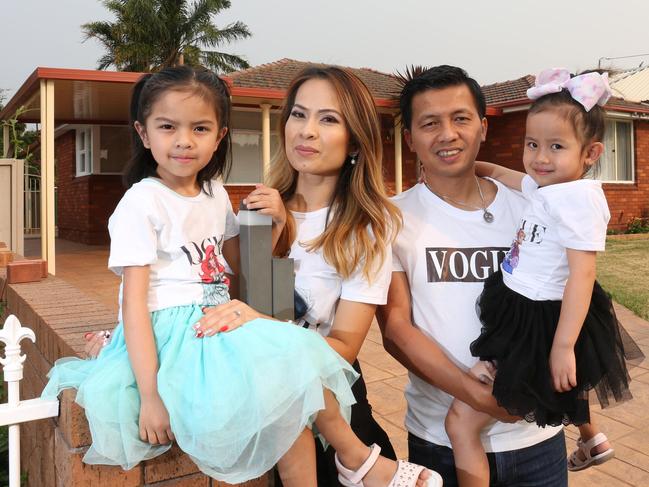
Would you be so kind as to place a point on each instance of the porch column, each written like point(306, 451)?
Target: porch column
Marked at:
point(398, 177)
point(265, 138)
point(47, 174)
point(5, 140)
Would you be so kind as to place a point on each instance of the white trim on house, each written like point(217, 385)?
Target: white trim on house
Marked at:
point(83, 150)
point(629, 121)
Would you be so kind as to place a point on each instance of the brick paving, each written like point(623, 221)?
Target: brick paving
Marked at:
point(626, 425)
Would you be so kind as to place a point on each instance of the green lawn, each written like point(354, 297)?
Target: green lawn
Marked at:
point(623, 270)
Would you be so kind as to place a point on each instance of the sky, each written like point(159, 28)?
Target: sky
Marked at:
point(494, 40)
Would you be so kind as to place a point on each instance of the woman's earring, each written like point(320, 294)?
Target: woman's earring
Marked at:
point(352, 161)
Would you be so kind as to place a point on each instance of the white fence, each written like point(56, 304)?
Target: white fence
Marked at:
point(15, 411)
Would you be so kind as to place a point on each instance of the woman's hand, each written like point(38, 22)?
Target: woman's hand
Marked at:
point(154, 421)
point(268, 202)
point(563, 367)
point(225, 317)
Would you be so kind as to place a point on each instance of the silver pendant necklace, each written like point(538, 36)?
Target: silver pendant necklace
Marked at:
point(486, 214)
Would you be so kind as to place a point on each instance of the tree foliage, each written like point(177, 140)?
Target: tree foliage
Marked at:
point(148, 35)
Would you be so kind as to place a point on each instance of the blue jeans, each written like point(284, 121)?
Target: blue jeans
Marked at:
point(540, 465)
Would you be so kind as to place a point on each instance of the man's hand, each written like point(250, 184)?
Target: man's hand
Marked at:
point(482, 399)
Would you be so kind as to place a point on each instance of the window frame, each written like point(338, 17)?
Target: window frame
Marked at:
point(93, 132)
point(629, 122)
point(88, 151)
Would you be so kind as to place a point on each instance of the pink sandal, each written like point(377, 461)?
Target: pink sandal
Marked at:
point(406, 475)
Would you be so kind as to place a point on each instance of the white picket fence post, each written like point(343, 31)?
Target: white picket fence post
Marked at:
point(14, 412)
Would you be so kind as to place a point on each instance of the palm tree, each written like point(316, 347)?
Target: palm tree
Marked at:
point(148, 35)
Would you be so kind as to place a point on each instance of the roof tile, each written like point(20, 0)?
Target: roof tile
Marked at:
point(278, 75)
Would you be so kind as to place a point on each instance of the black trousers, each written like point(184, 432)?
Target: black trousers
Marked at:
point(365, 427)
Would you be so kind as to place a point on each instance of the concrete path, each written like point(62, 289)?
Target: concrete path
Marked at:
point(626, 425)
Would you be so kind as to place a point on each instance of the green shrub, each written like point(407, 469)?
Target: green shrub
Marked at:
point(638, 225)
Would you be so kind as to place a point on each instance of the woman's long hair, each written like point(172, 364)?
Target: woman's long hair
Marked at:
point(362, 222)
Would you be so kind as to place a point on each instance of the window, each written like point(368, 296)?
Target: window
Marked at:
point(247, 161)
point(616, 164)
point(246, 134)
point(114, 149)
point(102, 149)
point(84, 151)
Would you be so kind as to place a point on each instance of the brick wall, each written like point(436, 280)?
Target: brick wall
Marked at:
point(83, 203)
point(72, 207)
point(237, 193)
point(52, 449)
point(504, 146)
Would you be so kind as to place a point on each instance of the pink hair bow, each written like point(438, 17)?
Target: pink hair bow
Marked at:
point(589, 89)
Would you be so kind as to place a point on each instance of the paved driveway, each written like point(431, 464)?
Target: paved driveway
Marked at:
point(627, 425)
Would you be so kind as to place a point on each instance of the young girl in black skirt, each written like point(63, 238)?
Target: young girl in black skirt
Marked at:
point(549, 330)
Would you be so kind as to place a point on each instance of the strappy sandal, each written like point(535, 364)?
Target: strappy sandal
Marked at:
point(406, 475)
point(576, 464)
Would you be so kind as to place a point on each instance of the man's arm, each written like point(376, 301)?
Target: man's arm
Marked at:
point(424, 357)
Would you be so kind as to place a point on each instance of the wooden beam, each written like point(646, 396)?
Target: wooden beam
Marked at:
point(47, 175)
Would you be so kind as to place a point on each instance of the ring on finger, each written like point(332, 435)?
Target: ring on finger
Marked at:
point(237, 313)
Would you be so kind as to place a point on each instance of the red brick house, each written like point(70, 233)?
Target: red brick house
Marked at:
point(89, 117)
point(624, 167)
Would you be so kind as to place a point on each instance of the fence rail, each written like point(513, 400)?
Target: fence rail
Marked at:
point(14, 411)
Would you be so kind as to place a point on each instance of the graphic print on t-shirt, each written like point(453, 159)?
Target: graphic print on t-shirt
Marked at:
point(303, 303)
point(470, 264)
point(527, 232)
point(211, 271)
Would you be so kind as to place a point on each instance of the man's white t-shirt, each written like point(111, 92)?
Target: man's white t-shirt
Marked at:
point(318, 283)
point(447, 253)
point(179, 237)
point(572, 215)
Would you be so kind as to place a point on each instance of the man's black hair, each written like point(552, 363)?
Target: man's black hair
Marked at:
point(418, 80)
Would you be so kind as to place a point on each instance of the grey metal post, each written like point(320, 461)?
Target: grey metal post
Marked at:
point(283, 286)
point(265, 283)
point(255, 279)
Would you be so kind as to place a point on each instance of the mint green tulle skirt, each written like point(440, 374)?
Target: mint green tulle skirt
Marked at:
point(236, 401)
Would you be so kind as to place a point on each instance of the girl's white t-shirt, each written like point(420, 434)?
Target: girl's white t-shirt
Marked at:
point(318, 283)
point(572, 215)
point(180, 238)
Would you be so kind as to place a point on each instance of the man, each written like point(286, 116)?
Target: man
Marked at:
point(457, 228)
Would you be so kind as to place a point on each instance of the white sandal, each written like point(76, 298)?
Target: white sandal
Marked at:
point(576, 464)
point(406, 475)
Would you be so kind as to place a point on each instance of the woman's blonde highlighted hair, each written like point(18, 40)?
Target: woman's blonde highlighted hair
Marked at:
point(362, 222)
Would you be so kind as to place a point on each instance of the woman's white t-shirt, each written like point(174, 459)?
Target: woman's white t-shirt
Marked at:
point(318, 283)
point(180, 238)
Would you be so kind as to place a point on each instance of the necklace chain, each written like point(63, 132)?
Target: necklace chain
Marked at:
point(486, 214)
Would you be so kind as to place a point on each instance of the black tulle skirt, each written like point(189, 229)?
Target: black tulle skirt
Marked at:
point(517, 335)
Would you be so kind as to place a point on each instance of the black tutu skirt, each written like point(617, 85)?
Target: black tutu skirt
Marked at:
point(517, 335)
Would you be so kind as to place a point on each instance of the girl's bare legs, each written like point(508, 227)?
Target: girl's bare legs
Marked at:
point(297, 468)
point(463, 426)
point(351, 451)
